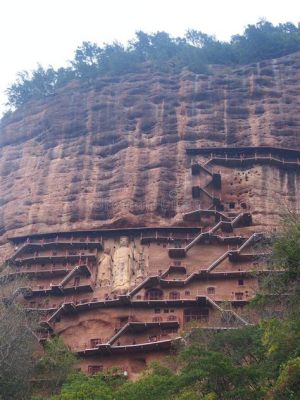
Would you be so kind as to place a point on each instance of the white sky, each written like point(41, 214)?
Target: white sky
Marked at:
point(48, 31)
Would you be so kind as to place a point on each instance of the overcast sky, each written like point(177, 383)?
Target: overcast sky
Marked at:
point(48, 31)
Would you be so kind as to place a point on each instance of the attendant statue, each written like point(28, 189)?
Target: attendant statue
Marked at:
point(105, 269)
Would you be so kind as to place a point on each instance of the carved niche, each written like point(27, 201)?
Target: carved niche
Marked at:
point(105, 268)
point(122, 269)
point(123, 265)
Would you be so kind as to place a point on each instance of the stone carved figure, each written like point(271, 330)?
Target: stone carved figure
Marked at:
point(140, 269)
point(123, 265)
point(105, 269)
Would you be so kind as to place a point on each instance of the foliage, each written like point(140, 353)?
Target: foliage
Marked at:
point(281, 287)
point(286, 255)
point(195, 51)
point(264, 40)
point(80, 387)
point(287, 385)
point(159, 383)
point(55, 365)
point(17, 343)
point(100, 386)
point(23, 363)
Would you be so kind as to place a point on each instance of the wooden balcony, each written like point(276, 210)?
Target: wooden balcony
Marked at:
point(50, 259)
point(248, 151)
point(236, 256)
point(103, 349)
point(174, 269)
point(50, 244)
point(138, 327)
point(49, 271)
point(160, 237)
point(57, 290)
point(159, 345)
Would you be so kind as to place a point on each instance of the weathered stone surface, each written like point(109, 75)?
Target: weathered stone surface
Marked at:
point(113, 154)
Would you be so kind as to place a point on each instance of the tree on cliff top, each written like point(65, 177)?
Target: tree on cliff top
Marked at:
point(195, 51)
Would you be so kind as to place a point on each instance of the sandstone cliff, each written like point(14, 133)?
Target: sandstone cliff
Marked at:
point(114, 153)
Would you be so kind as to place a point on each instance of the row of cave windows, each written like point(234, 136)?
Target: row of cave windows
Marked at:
point(196, 193)
point(47, 304)
point(152, 294)
point(56, 253)
point(53, 265)
point(64, 239)
point(157, 294)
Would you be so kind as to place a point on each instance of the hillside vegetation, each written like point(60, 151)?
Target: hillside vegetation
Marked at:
point(195, 51)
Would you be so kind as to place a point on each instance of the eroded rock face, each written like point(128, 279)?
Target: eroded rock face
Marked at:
point(114, 154)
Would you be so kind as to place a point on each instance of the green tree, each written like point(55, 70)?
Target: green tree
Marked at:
point(81, 387)
point(55, 365)
point(18, 343)
point(157, 383)
point(287, 386)
point(87, 60)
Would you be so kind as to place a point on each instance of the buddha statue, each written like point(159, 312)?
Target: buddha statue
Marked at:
point(123, 266)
